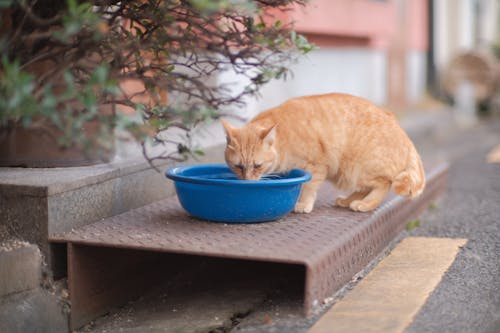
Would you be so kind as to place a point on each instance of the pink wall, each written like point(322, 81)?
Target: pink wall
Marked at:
point(349, 18)
point(367, 23)
point(417, 24)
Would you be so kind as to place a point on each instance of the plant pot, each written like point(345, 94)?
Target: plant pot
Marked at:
point(39, 148)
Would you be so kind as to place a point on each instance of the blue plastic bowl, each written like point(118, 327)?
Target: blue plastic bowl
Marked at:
point(213, 192)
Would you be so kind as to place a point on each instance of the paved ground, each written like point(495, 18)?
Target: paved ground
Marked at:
point(466, 300)
point(389, 297)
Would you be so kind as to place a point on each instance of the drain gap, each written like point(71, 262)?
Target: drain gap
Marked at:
point(230, 324)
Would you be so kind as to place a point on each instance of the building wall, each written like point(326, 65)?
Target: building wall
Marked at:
point(370, 48)
point(463, 25)
point(370, 19)
point(347, 70)
point(416, 78)
point(365, 48)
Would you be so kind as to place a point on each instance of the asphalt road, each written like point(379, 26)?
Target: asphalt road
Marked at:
point(468, 297)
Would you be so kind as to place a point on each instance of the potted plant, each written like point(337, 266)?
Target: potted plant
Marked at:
point(65, 67)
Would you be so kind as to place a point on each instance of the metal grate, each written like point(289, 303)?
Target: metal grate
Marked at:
point(332, 243)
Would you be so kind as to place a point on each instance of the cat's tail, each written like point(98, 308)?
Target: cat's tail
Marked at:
point(410, 183)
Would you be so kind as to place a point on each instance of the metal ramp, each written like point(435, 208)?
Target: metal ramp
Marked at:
point(110, 261)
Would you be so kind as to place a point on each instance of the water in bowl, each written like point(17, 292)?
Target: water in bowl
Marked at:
point(232, 176)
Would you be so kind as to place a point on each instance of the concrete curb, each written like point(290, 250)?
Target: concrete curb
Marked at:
point(20, 267)
point(34, 311)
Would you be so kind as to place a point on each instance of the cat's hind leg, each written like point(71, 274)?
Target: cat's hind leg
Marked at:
point(373, 199)
point(345, 202)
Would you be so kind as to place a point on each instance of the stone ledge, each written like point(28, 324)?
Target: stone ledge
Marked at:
point(44, 182)
point(35, 311)
point(38, 202)
point(20, 267)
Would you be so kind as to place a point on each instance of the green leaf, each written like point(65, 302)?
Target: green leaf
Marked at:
point(101, 73)
point(160, 124)
point(69, 79)
point(199, 152)
point(49, 103)
point(112, 87)
point(412, 225)
point(5, 3)
point(26, 121)
point(72, 28)
point(89, 100)
point(432, 206)
point(71, 5)
point(260, 25)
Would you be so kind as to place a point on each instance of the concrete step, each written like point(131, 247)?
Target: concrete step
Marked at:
point(25, 305)
point(20, 267)
point(33, 311)
point(36, 203)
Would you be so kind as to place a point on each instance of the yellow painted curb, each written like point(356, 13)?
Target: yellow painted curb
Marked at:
point(389, 297)
point(494, 155)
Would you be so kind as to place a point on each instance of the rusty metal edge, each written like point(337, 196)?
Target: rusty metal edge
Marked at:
point(396, 213)
point(194, 253)
point(101, 280)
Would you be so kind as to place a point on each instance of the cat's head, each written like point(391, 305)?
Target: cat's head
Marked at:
point(250, 151)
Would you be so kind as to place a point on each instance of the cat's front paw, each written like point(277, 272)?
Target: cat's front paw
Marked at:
point(360, 206)
point(303, 207)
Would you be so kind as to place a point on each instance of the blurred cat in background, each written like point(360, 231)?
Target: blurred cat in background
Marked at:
point(347, 140)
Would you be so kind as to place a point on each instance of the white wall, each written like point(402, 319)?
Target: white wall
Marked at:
point(489, 27)
point(456, 22)
point(466, 24)
point(356, 71)
point(416, 75)
point(442, 40)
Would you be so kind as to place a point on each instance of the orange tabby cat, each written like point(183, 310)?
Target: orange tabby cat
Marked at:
point(348, 140)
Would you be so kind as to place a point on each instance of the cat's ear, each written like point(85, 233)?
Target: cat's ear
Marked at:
point(229, 132)
point(268, 135)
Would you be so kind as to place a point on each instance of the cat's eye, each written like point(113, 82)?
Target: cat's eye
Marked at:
point(239, 166)
point(257, 166)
